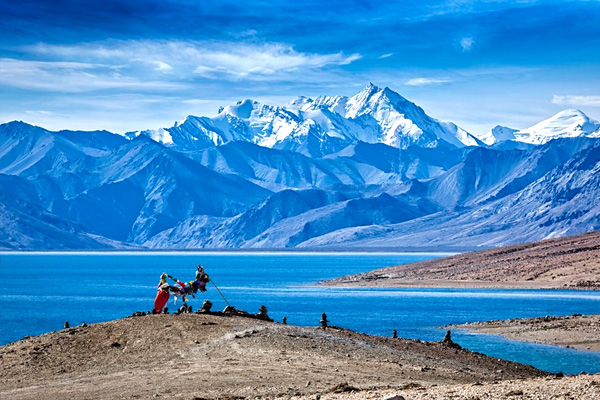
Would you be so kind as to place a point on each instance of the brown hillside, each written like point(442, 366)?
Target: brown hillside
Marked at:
point(570, 262)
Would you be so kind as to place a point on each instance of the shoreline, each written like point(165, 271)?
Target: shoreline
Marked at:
point(580, 332)
point(449, 284)
point(571, 262)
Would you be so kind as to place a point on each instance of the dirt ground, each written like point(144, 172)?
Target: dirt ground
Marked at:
point(192, 356)
point(577, 331)
point(581, 387)
point(565, 263)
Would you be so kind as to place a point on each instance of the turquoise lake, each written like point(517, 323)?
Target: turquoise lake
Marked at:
point(43, 290)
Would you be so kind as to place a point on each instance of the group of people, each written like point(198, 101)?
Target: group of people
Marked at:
point(179, 289)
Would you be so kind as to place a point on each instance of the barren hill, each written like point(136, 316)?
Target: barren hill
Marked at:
point(192, 356)
point(570, 262)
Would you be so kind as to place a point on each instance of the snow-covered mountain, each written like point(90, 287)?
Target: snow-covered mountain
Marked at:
point(565, 124)
point(371, 170)
point(317, 127)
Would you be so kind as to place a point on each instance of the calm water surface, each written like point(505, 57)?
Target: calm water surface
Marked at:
point(47, 289)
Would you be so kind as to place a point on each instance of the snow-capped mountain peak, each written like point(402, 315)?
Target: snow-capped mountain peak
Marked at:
point(374, 115)
point(498, 134)
point(565, 124)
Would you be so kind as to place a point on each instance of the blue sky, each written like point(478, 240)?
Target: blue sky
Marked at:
point(125, 65)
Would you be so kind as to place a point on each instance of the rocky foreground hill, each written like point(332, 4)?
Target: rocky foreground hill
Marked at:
point(193, 356)
point(565, 263)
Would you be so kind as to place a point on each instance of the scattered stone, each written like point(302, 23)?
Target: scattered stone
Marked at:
point(284, 320)
point(394, 397)
point(342, 388)
point(411, 385)
point(394, 334)
point(307, 384)
point(83, 325)
point(115, 345)
point(67, 326)
point(559, 374)
point(138, 314)
point(514, 393)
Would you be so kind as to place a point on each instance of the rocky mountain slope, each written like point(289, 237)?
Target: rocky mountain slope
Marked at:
point(371, 171)
point(570, 262)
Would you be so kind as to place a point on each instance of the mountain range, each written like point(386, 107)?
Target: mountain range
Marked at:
point(369, 171)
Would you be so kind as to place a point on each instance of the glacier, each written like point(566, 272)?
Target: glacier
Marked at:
point(369, 171)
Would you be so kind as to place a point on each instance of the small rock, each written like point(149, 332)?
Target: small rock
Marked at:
point(394, 397)
point(206, 305)
point(307, 384)
point(514, 393)
point(559, 374)
point(67, 326)
point(115, 345)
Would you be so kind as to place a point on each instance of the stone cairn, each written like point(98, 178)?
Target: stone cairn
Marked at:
point(323, 321)
point(206, 306)
point(447, 341)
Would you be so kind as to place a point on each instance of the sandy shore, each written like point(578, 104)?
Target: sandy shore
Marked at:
point(565, 263)
point(577, 331)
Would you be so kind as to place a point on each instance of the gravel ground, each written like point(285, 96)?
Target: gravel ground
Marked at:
point(193, 356)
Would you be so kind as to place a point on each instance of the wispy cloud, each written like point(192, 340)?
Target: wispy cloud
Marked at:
point(578, 101)
point(256, 61)
point(425, 81)
point(467, 43)
point(207, 59)
point(71, 77)
point(388, 55)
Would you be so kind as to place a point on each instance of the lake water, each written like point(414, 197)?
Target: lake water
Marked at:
point(43, 290)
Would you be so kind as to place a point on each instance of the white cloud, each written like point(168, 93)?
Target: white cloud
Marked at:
point(256, 61)
point(425, 81)
point(163, 67)
point(381, 57)
point(38, 113)
point(207, 59)
point(578, 101)
point(71, 77)
point(467, 43)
